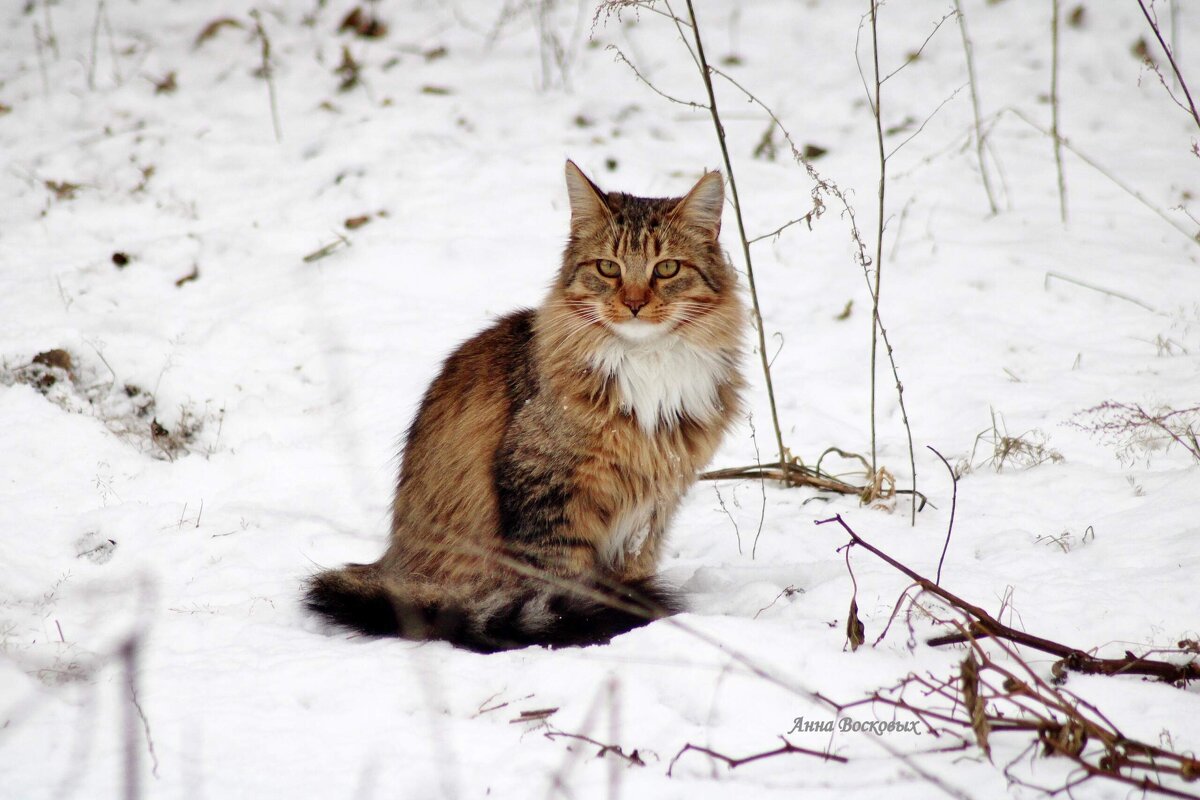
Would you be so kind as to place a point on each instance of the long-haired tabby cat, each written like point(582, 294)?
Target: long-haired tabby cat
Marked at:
point(548, 457)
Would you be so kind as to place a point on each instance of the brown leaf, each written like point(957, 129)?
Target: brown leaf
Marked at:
point(856, 632)
point(974, 703)
point(363, 24)
point(63, 190)
point(213, 28)
point(1142, 50)
point(166, 84)
point(55, 358)
point(357, 222)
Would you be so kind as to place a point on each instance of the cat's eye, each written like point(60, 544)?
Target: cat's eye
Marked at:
point(609, 269)
point(666, 269)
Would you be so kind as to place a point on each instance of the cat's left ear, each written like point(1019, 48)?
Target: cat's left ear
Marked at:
point(701, 207)
point(587, 199)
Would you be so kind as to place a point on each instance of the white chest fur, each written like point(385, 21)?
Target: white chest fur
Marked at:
point(662, 379)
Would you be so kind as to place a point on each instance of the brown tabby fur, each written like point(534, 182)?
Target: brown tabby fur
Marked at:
point(529, 475)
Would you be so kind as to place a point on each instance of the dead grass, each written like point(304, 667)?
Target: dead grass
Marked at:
point(1023, 451)
point(127, 410)
point(1137, 432)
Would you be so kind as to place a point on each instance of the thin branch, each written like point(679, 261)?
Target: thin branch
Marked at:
point(733, 763)
point(926, 121)
point(1171, 58)
point(984, 624)
point(877, 329)
point(1193, 236)
point(806, 218)
point(877, 110)
point(1054, 129)
point(1067, 278)
point(979, 134)
point(916, 55)
point(623, 59)
point(267, 71)
point(706, 75)
point(953, 508)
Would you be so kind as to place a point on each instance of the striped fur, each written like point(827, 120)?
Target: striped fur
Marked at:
point(549, 455)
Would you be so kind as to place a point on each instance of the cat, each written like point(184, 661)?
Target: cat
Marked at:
point(543, 467)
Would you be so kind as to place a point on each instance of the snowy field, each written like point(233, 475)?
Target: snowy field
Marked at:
point(211, 342)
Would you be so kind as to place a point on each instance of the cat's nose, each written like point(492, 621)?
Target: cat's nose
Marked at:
point(635, 304)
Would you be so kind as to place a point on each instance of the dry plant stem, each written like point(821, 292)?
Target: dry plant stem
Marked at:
point(968, 49)
point(877, 329)
point(1191, 106)
point(268, 73)
point(630, 758)
point(953, 508)
point(984, 624)
point(1063, 724)
point(878, 112)
point(91, 77)
point(41, 59)
point(1052, 274)
point(798, 476)
point(733, 763)
point(1054, 131)
point(706, 74)
point(1193, 236)
point(1175, 32)
point(51, 39)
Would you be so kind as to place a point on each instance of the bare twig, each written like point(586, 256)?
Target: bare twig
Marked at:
point(1126, 423)
point(1193, 236)
point(41, 59)
point(953, 507)
point(1054, 130)
point(877, 329)
point(733, 763)
point(1067, 278)
point(878, 264)
point(984, 624)
point(706, 75)
point(326, 249)
point(1191, 105)
point(91, 76)
point(267, 71)
point(633, 757)
point(979, 133)
point(798, 475)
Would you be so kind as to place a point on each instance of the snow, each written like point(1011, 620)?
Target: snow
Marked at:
point(301, 377)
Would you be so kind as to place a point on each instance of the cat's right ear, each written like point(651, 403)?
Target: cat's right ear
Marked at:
point(587, 200)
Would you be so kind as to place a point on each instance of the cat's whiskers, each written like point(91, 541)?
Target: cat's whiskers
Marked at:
point(560, 330)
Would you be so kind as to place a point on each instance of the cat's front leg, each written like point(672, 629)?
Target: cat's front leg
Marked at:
point(643, 563)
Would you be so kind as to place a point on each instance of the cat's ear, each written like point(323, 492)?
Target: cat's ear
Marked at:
point(701, 207)
point(587, 200)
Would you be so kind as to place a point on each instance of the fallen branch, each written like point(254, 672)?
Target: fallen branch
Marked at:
point(982, 624)
point(796, 474)
point(984, 699)
point(733, 763)
point(633, 757)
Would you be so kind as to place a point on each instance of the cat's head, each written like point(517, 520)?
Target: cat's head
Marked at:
point(643, 268)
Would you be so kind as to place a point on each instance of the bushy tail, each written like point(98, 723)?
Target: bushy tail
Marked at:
point(501, 619)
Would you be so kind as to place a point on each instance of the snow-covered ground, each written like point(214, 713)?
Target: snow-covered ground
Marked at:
point(280, 386)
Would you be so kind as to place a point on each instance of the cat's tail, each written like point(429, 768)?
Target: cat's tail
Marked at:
point(503, 618)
